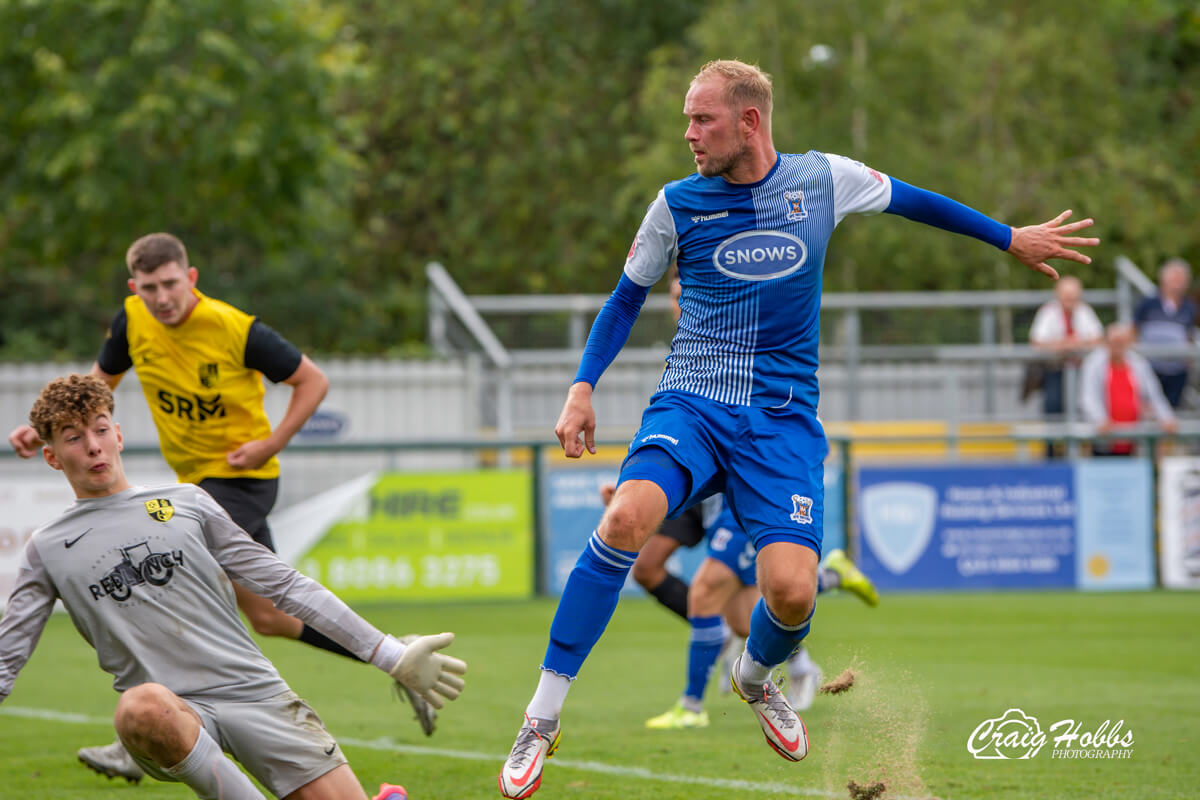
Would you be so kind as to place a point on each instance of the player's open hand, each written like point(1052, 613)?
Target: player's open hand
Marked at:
point(434, 676)
point(577, 417)
point(1034, 244)
point(25, 441)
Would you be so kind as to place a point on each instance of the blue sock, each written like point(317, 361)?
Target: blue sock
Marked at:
point(708, 635)
point(770, 641)
point(586, 605)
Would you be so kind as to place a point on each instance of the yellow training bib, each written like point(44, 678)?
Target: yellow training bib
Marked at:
point(204, 400)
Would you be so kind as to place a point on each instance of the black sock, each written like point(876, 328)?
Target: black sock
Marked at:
point(672, 593)
point(317, 639)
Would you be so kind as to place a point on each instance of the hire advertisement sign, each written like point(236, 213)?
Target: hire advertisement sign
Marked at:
point(430, 536)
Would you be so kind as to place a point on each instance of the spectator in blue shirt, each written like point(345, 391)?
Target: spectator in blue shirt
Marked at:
point(1169, 318)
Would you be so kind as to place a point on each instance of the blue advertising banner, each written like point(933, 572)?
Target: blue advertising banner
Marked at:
point(968, 526)
point(1116, 524)
point(573, 510)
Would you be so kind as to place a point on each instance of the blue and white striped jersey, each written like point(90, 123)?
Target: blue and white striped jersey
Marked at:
point(750, 258)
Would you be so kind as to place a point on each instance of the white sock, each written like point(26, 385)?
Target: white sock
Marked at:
point(211, 775)
point(550, 695)
point(751, 674)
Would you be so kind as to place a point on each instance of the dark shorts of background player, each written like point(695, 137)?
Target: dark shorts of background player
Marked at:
point(248, 501)
point(687, 528)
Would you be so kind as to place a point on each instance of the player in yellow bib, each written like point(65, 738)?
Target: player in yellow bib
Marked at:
point(200, 363)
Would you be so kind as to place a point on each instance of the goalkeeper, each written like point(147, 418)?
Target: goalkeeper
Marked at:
point(145, 573)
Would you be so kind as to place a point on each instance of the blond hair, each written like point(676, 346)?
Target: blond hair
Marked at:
point(70, 401)
point(745, 85)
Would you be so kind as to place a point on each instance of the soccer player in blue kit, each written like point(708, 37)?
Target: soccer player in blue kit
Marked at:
point(735, 410)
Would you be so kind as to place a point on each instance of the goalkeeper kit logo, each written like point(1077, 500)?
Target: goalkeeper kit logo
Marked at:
point(1016, 735)
point(139, 565)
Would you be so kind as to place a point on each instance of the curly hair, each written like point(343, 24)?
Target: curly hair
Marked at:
point(71, 400)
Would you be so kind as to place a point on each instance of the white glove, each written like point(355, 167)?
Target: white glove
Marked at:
point(432, 675)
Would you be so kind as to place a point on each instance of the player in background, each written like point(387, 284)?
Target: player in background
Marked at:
point(200, 363)
point(720, 601)
point(735, 410)
point(146, 574)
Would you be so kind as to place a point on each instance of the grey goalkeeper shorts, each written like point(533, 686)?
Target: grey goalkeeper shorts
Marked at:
point(280, 741)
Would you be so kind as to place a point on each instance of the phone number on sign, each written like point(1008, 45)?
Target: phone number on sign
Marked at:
point(383, 572)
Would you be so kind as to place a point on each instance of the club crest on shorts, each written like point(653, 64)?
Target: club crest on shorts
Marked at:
point(801, 509)
point(161, 510)
point(208, 375)
point(795, 201)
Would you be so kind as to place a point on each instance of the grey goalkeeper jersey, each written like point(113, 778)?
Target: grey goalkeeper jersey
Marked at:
point(145, 575)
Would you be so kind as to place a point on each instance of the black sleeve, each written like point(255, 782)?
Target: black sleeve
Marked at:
point(114, 353)
point(270, 353)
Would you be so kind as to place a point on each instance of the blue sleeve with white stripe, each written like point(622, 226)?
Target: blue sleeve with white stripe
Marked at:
point(611, 329)
point(940, 211)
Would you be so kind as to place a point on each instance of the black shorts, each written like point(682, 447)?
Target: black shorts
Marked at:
point(687, 528)
point(248, 501)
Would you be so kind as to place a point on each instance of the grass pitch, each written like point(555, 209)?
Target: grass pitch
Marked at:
point(930, 669)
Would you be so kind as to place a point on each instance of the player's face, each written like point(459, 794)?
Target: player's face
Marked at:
point(89, 455)
point(712, 132)
point(167, 291)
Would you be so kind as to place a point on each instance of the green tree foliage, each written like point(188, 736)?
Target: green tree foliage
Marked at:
point(497, 137)
point(213, 119)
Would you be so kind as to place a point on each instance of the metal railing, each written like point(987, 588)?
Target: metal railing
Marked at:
point(846, 355)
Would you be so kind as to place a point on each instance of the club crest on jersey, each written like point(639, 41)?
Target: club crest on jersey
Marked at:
point(801, 510)
point(795, 201)
point(208, 375)
point(760, 255)
point(161, 510)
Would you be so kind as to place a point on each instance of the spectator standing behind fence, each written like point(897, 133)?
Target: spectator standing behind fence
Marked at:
point(1169, 318)
point(1063, 328)
point(1117, 387)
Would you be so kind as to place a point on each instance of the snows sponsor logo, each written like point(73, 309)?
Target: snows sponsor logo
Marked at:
point(1017, 735)
point(760, 255)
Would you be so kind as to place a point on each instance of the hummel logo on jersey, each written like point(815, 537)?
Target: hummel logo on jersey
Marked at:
point(707, 217)
point(670, 439)
point(801, 510)
point(795, 201)
point(138, 565)
point(70, 542)
point(161, 510)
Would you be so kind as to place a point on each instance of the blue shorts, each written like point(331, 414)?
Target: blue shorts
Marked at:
point(730, 545)
point(769, 462)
